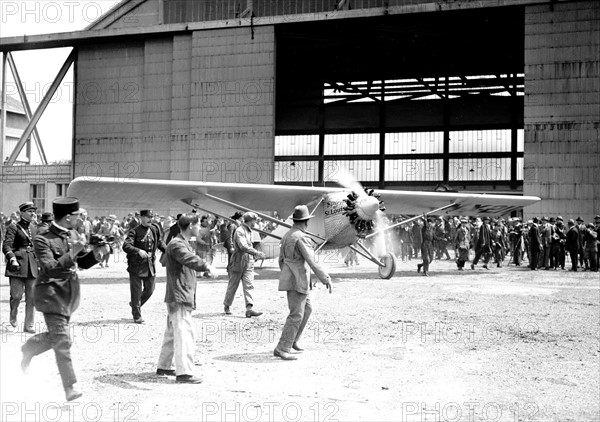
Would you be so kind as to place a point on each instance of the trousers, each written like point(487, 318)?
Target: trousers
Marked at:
point(141, 289)
point(18, 286)
point(300, 310)
point(179, 344)
point(57, 337)
point(246, 276)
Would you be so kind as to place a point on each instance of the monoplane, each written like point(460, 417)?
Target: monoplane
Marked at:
point(343, 217)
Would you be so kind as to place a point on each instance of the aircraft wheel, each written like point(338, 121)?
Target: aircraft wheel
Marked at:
point(388, 268)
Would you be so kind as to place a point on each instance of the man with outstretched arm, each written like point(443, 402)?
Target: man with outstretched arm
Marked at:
point(56, 291)
point(178, 342)
point(296, 258)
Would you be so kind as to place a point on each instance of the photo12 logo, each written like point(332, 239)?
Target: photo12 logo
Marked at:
point(53, 12)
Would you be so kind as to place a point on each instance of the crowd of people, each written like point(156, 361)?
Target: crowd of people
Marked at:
point(544, 242)
point(43, 260)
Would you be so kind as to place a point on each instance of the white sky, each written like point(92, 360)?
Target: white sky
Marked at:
point(38, 68)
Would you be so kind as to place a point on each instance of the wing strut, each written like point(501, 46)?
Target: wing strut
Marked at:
point(261, 215)
point(408, 220)
point(190, 203)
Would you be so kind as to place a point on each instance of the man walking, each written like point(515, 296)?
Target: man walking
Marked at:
point(178, 342)
point(295, 257)
point(57, 288)
point(427, 251)
point(484, 244)
point(21, 265)
point(241, 265)
point(140, 246)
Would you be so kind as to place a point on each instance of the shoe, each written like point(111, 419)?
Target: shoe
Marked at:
point(25, 362)
point(419, 266)
point(29, 330)
point(283, 355)
point(105, 265)
point(188, 379)
point(485, 266)
point(13, 323)
point(139, 320)
point(472, 266)
point(226, 310)
point(252, 313)
point(165, 372)
point(425, 274)
point(72, 394)
point(297, 348)
point(101, 266)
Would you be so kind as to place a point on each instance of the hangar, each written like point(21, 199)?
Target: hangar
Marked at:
point(498, 96)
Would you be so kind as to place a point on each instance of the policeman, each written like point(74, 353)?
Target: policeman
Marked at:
point(21, 265)
point(140, 246)
point(59, 252)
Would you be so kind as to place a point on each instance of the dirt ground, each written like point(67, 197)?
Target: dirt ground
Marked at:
point(506, 344)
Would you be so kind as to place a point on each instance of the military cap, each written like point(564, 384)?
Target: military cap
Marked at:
point(146, 213)
point(237, 215)
point(25, 206)
point(249, 216)
point(64, 206)
point(47, 217)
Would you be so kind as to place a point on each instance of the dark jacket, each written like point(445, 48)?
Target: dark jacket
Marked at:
point(142, 238)
point(19, 244)
point(56, 289)
point(182, 264)
point(573, 243)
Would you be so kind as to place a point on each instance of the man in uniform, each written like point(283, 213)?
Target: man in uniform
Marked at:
point(427, 251)
point(21, 265)
point(140, 246)
point(241, 265)
point(59, 252)
point(295, 257)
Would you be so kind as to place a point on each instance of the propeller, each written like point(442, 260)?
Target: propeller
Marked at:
point(363, 206)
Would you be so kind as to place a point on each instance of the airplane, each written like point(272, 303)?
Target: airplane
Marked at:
point(343, 217)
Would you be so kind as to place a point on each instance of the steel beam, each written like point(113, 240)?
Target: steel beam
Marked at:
point(3, 113)
point(42, 107)
point(26, 107)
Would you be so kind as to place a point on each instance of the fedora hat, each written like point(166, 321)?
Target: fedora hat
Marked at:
point(301, 213)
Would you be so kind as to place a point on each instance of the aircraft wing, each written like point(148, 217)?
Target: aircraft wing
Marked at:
point(167, 194)
point(415, 202)
point(106, 192)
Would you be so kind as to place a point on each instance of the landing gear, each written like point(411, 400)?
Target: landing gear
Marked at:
point(387, 270)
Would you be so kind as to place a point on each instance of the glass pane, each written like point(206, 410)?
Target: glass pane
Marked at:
point(352, 143)
point(480, 169)
point(414, 143)
point(297, 145)
point(362, 170)
point(296, 171)
point(495, 140)
point(413, 170)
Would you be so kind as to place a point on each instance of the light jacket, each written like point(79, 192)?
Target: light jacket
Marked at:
point(182, 264)
point(296, 258)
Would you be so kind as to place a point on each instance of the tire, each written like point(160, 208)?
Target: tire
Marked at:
point(389, 268)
